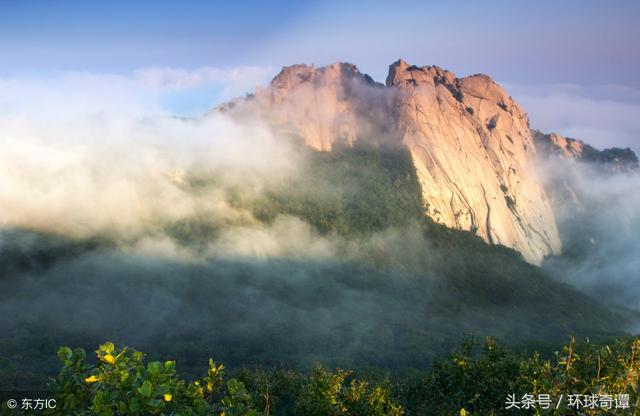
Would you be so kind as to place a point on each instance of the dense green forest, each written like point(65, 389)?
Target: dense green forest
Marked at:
point(361, 279)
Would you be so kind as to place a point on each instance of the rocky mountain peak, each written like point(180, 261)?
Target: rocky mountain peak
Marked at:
point(555, 144)
point(470, 142)
point(401, 72)
point(612, 160)
point(475, 158)
point(291, 76)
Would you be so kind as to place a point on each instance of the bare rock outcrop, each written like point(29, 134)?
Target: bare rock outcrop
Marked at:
point(470, 142)
point(324, 106)
point(612, 160)
point(474, 155)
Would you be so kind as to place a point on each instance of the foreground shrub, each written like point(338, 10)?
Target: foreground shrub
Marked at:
point(326, 394)
point(475, 380)
point(479, 376)
point(122, 384)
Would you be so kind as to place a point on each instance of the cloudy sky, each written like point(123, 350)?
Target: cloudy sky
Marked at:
point(573, 65)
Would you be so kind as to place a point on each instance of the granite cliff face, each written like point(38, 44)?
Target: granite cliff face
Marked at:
point(470, 142)
point(322, 106)
point(475, 158)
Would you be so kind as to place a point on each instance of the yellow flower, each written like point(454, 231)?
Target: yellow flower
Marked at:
point(109, 359)
point(92, 379)
point(167, 397)
point(210, 386)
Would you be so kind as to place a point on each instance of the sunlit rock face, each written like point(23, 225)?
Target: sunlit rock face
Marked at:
point(474, 155)
point(325, 106)
point(470, 142)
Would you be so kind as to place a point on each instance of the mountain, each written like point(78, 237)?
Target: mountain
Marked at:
point(326, 253)
point(337, 263)
point(573, 169)
point(469, 141)
point(614, 159)
point(591, 192)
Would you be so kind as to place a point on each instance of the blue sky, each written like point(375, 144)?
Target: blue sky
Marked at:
point(591, 46)
point(524, 42)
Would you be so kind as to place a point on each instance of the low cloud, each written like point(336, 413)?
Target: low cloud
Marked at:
point(597, 213)
point(121, 222)
point(90, 153)
point(603, 116)
point(166, 77)
point(153, 90)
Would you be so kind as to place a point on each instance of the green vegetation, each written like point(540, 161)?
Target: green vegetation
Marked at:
point(349, 191)
point(476, 379)
point(360, 190)
point(389, 295)
point(480, 376)
point(120, 383)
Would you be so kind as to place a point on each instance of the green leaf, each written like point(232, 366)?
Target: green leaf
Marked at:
point(233, 386)
point(64, 353)
point(107, 348)
point(80, 354)
point(145, 389)
point(155, 403)
point(154, 368)
point(134, 406)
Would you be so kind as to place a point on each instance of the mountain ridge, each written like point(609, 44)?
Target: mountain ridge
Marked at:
point(470, 142)
point(613, 159)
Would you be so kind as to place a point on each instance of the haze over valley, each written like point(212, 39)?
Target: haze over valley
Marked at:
point(325, 217)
